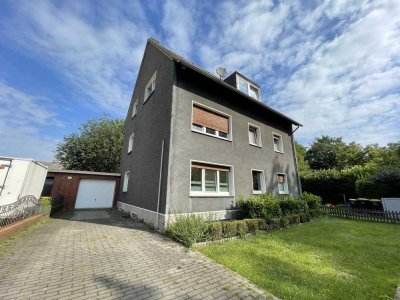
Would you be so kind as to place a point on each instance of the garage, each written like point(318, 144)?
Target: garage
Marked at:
point(95, 193)
point(83, 189)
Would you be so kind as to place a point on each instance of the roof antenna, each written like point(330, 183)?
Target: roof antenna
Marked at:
point(221, 72)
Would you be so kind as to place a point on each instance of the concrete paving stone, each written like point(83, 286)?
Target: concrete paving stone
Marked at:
point(97, 254)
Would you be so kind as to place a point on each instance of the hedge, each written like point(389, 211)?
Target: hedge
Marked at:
point(263, 212)
point(332, 184)
point(355, 182)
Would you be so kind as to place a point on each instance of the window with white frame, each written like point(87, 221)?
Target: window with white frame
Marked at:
point(254, 135)
point(278, 144)
point(134, 107)
point(130, 142)
point(210, 180)
point(126, 182)
point(210, 122)
point(258, 181)
point(248, 88)
point(150, 87)
point(282, 184)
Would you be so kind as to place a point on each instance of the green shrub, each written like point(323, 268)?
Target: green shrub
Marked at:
point(294, 219)
point(46, 201)
point(263, 206)
point(291, 205)
point(229, 229)
point(312, 201)
point(314, 213)
point(284, 222)
point(331, 185)
point(303, 218)
point(215, 231)
point(383, 183)
point(188, 229)
point(252, 224)
point(262, 224)
point(242, 228)
point(274, 223)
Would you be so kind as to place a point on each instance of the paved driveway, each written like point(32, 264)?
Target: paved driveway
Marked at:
point(99, 254)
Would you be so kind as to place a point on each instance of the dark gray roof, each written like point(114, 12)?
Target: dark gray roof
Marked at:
point(179, 59)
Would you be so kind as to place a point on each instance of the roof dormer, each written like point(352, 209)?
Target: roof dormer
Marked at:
point(244, 85)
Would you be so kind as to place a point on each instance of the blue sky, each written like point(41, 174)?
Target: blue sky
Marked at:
point(332, 65)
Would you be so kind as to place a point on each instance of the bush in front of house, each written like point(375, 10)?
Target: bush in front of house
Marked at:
point(313, 201)
point(188, 229)
point(290, 205)
point(264, 206)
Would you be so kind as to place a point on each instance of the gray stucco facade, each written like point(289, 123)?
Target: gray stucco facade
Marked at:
point(159, 183)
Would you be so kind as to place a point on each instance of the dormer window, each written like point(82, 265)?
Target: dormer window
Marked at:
point(248, 88)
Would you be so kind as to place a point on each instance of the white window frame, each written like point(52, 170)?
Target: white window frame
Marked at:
point(249, 84)
point(286, 186)
point(152, 83)
point(258, 141)
point(203, 129)
point(203, 193)
point(130, 142)
point(134, 108)
point(126, 182)
point(280, 142)
point(263, 185)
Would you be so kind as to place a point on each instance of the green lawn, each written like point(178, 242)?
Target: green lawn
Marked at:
point(326, 259)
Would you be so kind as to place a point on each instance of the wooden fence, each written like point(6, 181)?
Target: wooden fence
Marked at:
point(362, 214)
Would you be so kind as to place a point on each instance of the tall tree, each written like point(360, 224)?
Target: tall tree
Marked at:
point(350, 155)
point(324, 152)
point(95, 147)
point(301, 161)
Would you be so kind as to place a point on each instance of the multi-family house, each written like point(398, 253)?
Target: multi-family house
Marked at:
point(194, 143)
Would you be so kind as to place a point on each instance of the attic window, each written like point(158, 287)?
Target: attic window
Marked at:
point(248, 88)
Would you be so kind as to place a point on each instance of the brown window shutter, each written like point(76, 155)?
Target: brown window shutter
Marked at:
point(209, 167)
point(281, 178)
point(210, 119)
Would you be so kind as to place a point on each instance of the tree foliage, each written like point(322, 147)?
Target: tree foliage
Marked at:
point(325, 152)
point(95, 147)
point(335, 170)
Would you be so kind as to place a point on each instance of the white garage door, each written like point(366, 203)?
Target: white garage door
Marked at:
point(93, 193)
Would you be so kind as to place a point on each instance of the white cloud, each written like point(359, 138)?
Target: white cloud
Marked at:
point(24, 121)
point(97, 49)
point(333, 67)
point(178, 25)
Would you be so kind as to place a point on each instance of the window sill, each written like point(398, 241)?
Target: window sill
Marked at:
point(211, 195)
point(214, 136)
point(257, 192)
point(129, 152)
point(255, 145)
point(283, 193)
point(280, 152)
point(134, 116)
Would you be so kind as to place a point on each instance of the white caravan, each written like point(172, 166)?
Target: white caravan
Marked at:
point(20, 177)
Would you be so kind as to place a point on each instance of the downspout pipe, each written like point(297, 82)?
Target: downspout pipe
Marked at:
point(296, 164)
point(159, 184)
